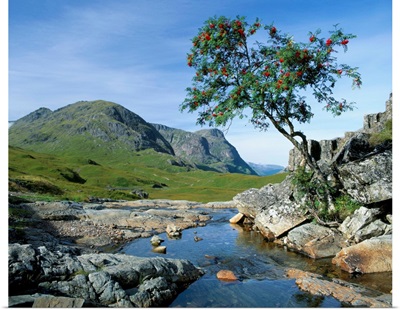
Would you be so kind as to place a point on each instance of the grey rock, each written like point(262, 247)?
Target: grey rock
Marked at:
point(156, 240)
point(99, 279)
point(369, 180)
point(22, 265)
point(314, 240)
point(272, 208)
point(358, 220)
point(154, 293)
point(374, 229)
point(173, 231)
point(354, 148)
point(20, 301)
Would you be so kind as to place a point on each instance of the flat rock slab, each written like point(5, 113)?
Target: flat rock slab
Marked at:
point(107, 225)
point(57, 302)
point(347, 293)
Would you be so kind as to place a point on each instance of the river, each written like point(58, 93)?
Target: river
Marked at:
point(259, 266)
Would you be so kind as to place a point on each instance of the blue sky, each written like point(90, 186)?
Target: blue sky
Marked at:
point(133, 52)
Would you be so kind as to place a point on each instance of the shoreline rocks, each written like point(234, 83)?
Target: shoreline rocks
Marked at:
point(59, 252)
point(112, 280)
point(364, 171)
point(103, 226)
point(368, 256)
point(351, 295)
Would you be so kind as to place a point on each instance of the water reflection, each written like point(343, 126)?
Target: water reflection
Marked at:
point(259, 266)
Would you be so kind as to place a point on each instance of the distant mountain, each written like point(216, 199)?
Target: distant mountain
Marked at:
point(90, 128)
point(262, 169)
point(206, 149)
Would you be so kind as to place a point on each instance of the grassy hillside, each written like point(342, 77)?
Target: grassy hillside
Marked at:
point(77, 178)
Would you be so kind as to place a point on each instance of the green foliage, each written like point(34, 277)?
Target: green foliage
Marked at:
point(345, 206)
point(313, 190)
point(232, 74)
point(116, 177)
point(382, 136)
point(309, 187)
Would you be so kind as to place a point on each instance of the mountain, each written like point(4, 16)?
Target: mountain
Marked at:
point(86, 125)
point(102, 128)
point(206, 149)
point(262, 169)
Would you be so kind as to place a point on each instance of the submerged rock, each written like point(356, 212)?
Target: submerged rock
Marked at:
point(226, 275)
point(160, 249)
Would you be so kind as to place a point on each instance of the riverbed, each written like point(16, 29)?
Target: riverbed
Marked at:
point(258, 265)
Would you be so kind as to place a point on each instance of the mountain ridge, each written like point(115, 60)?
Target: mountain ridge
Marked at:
point(266, 169)
point(105, 127)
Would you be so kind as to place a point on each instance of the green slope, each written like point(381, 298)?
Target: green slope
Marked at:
point(78, 177)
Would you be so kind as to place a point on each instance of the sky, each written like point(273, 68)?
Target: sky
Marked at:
point(133, 52)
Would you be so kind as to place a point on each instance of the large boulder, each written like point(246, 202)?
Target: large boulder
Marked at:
point(372, 255)
point(100, 279)
point(369, 179)
point(314, 240)
point(272, 208)
point(22, 264)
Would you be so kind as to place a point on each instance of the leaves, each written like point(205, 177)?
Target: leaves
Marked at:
point(231, 75)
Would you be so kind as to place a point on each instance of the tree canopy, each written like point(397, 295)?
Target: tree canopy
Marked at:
point(236, 76)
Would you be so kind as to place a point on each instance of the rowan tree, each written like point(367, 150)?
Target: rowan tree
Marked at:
point(237, 76)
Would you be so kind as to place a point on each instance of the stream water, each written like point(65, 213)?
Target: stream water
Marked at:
point(259, 266)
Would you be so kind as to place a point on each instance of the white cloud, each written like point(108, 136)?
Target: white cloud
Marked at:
point(133, 53)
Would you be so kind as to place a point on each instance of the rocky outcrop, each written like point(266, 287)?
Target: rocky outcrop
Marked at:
point(364, 171)
point(371, 255)
point(272, 208)
point(105, 280)
point(206, 149)
point(376, 122)
point(352, 147)
point(350, 295)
